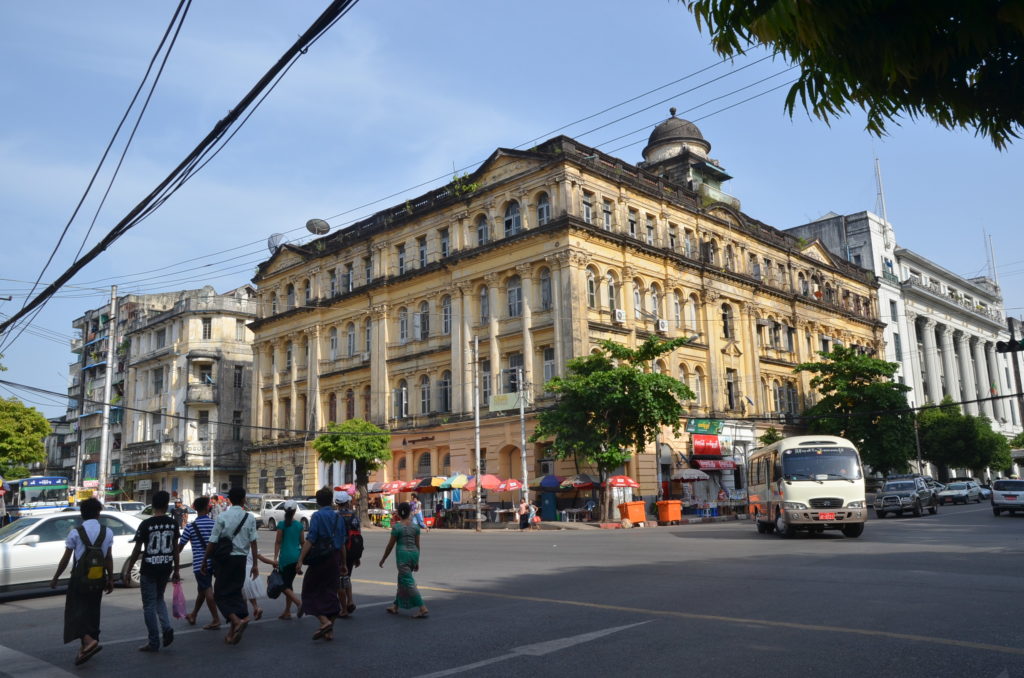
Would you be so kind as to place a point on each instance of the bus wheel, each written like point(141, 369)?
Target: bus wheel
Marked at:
point(761, 527)
point(853, 530)
point(782, 528)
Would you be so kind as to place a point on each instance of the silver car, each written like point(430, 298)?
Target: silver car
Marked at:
point(274, 514)
point(1007, 495)
point(31, 547)
point(960, 493)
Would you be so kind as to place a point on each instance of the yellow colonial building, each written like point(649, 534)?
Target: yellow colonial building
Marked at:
point(538, 255)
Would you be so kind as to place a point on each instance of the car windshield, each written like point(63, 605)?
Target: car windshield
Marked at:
point(308, 505)
point(956, 486)
point(13, 531)
point(252, 504)
point(131, 506)
point(1009, 485)
point(903, 486)
point(821, 463)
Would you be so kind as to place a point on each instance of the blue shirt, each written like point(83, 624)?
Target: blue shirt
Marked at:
point(198, 532)
point(324, 522)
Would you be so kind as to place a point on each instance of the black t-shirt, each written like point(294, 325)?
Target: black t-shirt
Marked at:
point(159, 537)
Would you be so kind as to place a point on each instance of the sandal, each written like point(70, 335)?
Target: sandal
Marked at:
point(391, 610)
point(351, 609)
point(258, 614)
point(238, 631)
point(285, 616)
point(421, 615)
point(88, 653)
point(212, 626)
point(191, 619)
point(323, 631)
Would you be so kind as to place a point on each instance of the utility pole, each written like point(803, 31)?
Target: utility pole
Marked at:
point(107, 384)
point(522, 429)
point(476, 425)
point(917, 442)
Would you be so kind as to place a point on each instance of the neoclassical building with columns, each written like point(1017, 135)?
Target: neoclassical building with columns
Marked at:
point(536, 257)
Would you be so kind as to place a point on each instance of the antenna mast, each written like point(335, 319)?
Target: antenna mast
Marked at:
point(881, 201)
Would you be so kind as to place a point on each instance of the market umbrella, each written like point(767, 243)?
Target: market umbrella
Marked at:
point(456, 481)
point(392, 487)
point(621, 481)
point(347, 487)
point(430, 484)
point(411, 485)
point(580, 481)
point(375, 487)
point(688, 475)
point(548, 483)
point(510, 485)
point(488, 481)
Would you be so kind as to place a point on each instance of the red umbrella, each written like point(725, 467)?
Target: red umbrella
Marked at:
point(488, 481)
point(347, 487)
point(411, 485)
point(580, 481)
point(621, 481)
point(392, 487)
point(510, 485)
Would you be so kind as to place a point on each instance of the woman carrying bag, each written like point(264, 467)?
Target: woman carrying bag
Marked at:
point(324, 553)
point(287, 547)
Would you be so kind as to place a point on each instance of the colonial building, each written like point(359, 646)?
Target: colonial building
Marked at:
point(188, 391)
point(538, 255)
point(942, 329)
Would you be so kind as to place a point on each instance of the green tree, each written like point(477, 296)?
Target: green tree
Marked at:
point(359, 440)
point(861, 402)
point(1017, 442)
point(611, 405)
point(770, 436)
point(952, 439)
point(22, 430)
point(958, 63)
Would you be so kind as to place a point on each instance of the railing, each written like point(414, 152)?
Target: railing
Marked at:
point(143, 455)
point(891, 277)
point(711, 194)
point(201, 393)
point(936, 291)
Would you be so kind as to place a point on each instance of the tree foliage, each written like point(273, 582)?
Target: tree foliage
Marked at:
point(958, 63)
point(861, 402)
point(1017, 442)
point(952, 439)
point(609, 407)
point(355, 440)
point(22, 430)
point(770, 436)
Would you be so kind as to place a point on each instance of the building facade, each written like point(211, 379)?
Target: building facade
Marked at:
point(188, 389)
point(536, 257)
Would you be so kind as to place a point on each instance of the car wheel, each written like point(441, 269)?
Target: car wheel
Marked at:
point(934, 508)
point(880, 514)
point(759, 526)
point(131, 578)
point(917, 508)
point(996, 511)
point(782, 528)
point(853, 530)
point(305, 524)
point(977, 499)
point(272, 524)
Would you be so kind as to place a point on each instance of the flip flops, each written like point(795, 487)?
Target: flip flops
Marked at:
point(212, 626)
point(323, 631)
point(391, 610)
point(88, 653)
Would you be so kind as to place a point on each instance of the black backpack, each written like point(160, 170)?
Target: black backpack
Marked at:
point(88, 572)
point(222, 549)
point(354, 544)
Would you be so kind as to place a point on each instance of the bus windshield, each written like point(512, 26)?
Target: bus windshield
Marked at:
point(821, 463)
point(43, 491)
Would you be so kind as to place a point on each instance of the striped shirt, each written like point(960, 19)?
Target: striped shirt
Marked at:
point(198, 532)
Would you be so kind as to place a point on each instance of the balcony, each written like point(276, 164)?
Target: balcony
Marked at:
point(201, 393)
point(710, 195)
point(934, 292)
point(890, 277)
point(142, 456)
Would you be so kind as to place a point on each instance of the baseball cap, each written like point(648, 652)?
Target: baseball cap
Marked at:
point(342, 497)
point(290, 505)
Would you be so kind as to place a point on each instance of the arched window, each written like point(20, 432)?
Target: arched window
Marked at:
point(333, 342)
point(658, 367)
point(543, 209)
point(367, 403)
point(263, 481)
point(545, 289)
point(424, 394)
point(288, 356)
point(692, 306)
point(698, 386)
point(513, 224)
point(350, 404)
point(483, 230)
point(485, 304)
point(684, 375)
point(805, 288)
point(612, 291)
point(730, 263)
point(677, 309)
point(638, 305)
point(445, 388)
point(401, 399)
point(655, 301)
point(728, 330)
point(514, 294)
point(423, 465)
point(290, 293)
point(273, 304)
point(422, 322)
point(332, 408)
point(308, 293)
point(446, 315)
point(279, 481)
point(591, 289)
point(403, 325)
point(368, 330)
point(350, 339)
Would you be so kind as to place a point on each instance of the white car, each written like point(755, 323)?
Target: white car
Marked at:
point(1007, 495)
point(31, 547)
point(274, 514)
point(960, 493)
point(126, 506)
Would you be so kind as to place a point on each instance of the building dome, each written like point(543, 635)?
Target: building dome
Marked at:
point(672, 136)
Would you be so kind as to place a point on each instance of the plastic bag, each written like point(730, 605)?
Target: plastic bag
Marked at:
point(275, 584)
point(257, 588)
point(178, 601)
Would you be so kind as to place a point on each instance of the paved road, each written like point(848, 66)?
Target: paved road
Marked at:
point(914, 597)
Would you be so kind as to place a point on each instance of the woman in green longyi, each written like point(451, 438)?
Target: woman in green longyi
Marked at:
point(406, 536)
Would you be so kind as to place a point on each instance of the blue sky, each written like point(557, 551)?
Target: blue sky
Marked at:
point(397, 94)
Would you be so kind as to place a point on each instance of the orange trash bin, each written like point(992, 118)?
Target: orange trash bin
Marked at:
point(670, 511)
point(633, 511)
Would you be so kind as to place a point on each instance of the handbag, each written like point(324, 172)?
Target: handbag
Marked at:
point(323, 547)
point(535, 519)
point(178, 601)
point(222, 549)
point(275, 584)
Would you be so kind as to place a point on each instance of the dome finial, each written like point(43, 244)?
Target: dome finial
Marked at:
point(672, 111)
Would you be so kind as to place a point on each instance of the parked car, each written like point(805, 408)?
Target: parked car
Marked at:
point(125, 506)
point(147, 511)
point(31, 547)
point(274, 515)
point(960, 492)
point(985, 491)
point(1007, 495)
point(906, 494)
point(257, 503)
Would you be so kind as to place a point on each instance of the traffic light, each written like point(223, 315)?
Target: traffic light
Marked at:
point(1011, 346)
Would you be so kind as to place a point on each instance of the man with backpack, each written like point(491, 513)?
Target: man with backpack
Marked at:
point(234, 533)
point(91, 576)
point(157, 539)
point(353, 550)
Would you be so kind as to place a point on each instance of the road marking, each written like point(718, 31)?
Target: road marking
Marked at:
point(949, 642)
point(535, 649)
point(14, 663)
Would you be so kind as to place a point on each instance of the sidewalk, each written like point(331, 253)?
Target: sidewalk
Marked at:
point(686, 520)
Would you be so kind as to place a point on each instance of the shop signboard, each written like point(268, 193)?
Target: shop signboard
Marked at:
point(705, 426)
point(143, 484)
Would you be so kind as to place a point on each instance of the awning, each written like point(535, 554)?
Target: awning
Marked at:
point(715, 464)
point(706, 445)
point(690, 474)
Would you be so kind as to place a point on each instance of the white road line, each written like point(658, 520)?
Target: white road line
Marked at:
point(22, 665)
point(535, 650)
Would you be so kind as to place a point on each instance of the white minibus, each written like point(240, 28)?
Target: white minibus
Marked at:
point(811, 483)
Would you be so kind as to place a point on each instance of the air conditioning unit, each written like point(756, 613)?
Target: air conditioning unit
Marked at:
point(620, 315)
point(663, 326)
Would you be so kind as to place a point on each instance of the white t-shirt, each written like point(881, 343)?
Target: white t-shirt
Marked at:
point(92, 530)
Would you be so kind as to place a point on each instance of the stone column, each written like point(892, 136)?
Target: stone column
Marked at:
point(931, 360)
point(275, 395)
point(525, 272)
point(970, 389)
point(998, 406)
point(256, 399)
point(713, 331)
point(379, 382)
point(558, 309)
point(493, 348)
point(981, 375)
point(948, 368)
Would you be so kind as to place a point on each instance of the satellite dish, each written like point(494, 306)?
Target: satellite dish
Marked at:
point(273, 241)
point(317, 226)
